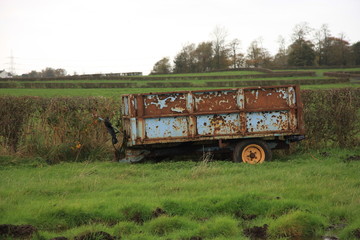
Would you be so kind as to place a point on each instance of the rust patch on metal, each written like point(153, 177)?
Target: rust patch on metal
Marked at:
point(264, 98)
point(216, 101)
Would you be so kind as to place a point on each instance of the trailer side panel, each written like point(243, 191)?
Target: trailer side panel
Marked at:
point(183, 116)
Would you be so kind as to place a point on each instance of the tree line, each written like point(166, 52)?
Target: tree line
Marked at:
point(308, 47)
point(46, 73)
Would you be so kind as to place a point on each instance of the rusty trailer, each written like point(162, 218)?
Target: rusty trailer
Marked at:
point(248, 121)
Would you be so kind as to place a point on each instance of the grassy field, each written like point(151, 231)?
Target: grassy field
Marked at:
point(75, 87)
point(302, 196)
point(305, 195)
point(116, 92)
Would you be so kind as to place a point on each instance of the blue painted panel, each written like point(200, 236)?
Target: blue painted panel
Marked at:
point(166, 127)
point(218, 124)
point(267, 121)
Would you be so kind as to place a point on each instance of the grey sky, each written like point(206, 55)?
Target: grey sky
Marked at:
point(90, 36)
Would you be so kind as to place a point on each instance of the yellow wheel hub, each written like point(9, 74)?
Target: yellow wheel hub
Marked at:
point(253, 154)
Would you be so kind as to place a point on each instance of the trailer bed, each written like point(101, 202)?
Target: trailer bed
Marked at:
point(221, 114)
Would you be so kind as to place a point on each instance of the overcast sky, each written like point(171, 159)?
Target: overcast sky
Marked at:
point(88, 36)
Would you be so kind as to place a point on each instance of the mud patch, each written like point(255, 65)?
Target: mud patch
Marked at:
point(356, 233)
point(256, 232)
point(137, 218)
point(352, 158)
point(95, 236)
point(158, 212)
point(196, 238)
point(248, 217)
point(17, 231)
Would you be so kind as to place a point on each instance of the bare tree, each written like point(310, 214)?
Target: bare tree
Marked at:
point(219, 34)
point(234, 47)
point(301, 31)
point(322, 44)
point(344, 48)
point(257, 55)
point(281, 56)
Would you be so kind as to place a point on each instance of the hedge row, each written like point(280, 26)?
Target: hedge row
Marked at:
point(67, 129)
point(277, 82)
point(56, 129)
point(254, 69)
point(342, 74)
point(171, 84)
point(332, 117)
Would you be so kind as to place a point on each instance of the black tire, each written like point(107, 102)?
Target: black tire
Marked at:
point(258, 151)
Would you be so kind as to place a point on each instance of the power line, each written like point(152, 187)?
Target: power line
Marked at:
point(11, 63)
point(12, 68)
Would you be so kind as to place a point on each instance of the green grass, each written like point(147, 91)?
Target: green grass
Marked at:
point(200, 84)
point(300, 195)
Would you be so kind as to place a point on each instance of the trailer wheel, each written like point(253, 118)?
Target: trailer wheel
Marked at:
point(252, 152)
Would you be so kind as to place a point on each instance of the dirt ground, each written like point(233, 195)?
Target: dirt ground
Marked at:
point(256, 232)
point(17, 231)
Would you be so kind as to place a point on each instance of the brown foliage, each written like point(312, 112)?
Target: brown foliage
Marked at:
point(57, 129)
point(332, 117)
point(14, 114)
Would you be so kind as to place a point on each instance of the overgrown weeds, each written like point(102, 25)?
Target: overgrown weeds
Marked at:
point(332, 117)
point(56, 129)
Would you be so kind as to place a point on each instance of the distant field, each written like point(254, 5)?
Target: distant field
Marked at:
point(197, 81)
point(301, 196)
point(172, 82)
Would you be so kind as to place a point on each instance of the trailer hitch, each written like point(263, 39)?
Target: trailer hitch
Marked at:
point(111, 130)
